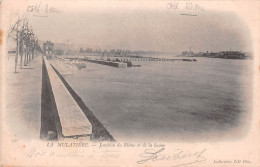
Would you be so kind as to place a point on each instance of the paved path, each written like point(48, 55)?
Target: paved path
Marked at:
point(24, 100)
point(73, 121)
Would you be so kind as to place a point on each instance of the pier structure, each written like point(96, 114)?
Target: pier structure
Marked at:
point(67, 117)
point(113, 61)
point(109, 63)
point(155, 59)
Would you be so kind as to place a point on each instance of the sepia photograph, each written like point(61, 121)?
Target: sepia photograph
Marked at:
point(128, 83)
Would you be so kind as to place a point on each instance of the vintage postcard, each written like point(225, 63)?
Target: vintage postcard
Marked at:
point(129, 83)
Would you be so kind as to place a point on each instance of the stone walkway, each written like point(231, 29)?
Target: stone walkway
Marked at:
point(23, 102)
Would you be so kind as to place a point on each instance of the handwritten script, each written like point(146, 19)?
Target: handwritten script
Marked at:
point(186, 8)
point(42, 10)
point(179, 156)
point(34, 153)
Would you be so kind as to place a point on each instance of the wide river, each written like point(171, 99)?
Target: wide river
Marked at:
point(164, 101)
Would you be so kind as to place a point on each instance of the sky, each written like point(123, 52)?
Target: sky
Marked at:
point(155, 30)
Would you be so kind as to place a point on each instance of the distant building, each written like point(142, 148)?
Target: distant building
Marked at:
point(187, 54)
point(48, 47)
point(233, 55)
point(59, 52)
point(70, 51)
point(225, 55)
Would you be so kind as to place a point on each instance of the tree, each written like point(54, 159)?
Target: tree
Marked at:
point(26, 41)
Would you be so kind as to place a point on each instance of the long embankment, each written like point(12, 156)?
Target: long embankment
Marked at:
point(124, 62)
point(63, 113)
point(155, 59)
point(108, 63)
point(113, 62)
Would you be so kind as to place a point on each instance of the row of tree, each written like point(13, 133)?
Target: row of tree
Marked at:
point(26, 42)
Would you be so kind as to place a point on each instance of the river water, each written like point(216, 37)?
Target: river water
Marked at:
point(165, 101)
